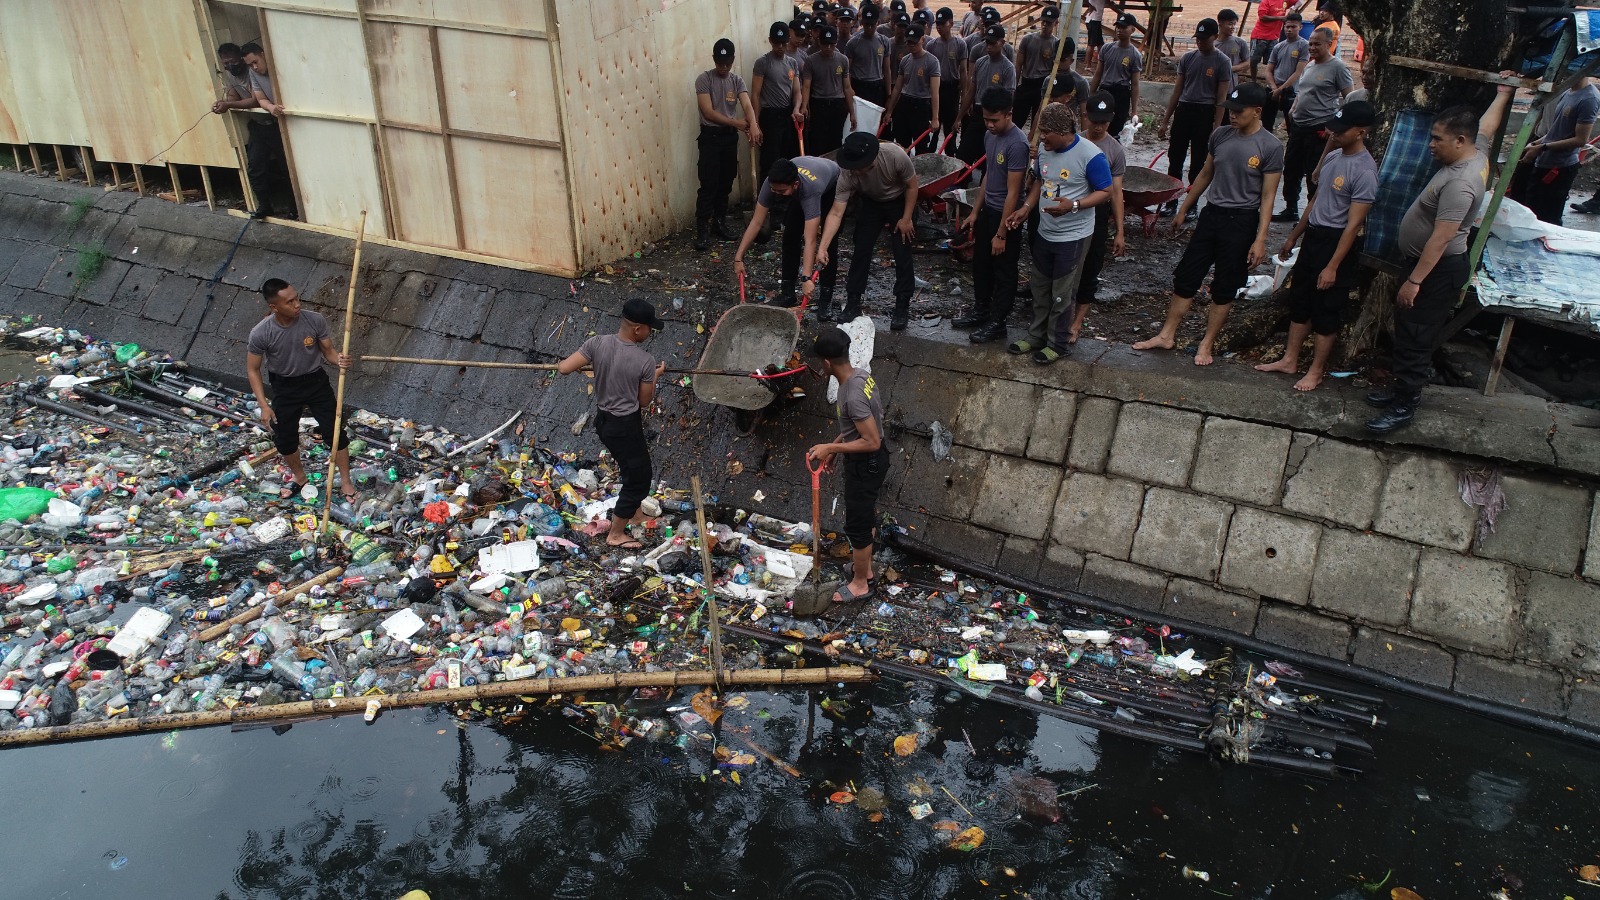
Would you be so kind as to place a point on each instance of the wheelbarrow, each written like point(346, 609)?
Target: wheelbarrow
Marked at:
point(1143, 192)
point(755, 339)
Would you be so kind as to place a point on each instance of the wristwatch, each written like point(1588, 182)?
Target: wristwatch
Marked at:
point(1074, 206)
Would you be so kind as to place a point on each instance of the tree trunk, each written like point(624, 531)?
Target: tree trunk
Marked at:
point(1478, 34)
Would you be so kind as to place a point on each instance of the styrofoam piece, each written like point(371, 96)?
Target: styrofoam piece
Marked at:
point(518, 556)
point(403, 624)
point(132, 638)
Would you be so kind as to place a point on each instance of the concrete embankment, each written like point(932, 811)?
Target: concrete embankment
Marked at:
point(1220, 497)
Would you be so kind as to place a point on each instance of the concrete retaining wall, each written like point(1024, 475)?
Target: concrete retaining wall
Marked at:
point(1219, 496)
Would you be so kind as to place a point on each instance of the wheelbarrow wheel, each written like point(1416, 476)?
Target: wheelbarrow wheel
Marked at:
point(746, 420)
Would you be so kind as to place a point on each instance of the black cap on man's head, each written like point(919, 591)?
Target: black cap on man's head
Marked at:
point(913, 33)
point(832, 343)
point(783, 171)
point(869, 15)
point(846, 14)
point(1247, 95)
point(820, 7)
point(994, 34)
point(858, 151)
point(1207, 27)
point(722, 50)
point(799, 27)
point(778, 32)
point(640, 312)
point(1127, 20)
point(1050, 13)
point(1355, 114)
point(990, 16)
point(902, 19)
point(898, 6)
point(1065, 83)
point(944, 15)
point(1101, 108)
point(922, 17)
point(828, 35)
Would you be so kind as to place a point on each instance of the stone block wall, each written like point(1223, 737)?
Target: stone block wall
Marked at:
point(1356, 552)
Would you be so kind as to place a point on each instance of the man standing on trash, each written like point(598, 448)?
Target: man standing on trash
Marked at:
point(291, 345)
point(886, 179)
point(866, 459)
point(624, 384)
point(813, 179)
point(1347, 181)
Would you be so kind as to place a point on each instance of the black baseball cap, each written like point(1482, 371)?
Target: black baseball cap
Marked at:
point(902, 19)
point(722, 49)
point(898, 6)
point(913, 33)
point(846, 14)
point(799, 26)
point(869, 15)
point(1065, 83)
point(778, 32)
point(640, 312)
point(1355, 114)
point(1206, 27)
point(1101, 108)
point(994, 33)
point(990, 14)
point(1050, 13)
point(922, 17)
point(944, 15)
point(828, 35)
point(820, 7)
point(858, 151)
point(1246, 95)
point(1127, 20)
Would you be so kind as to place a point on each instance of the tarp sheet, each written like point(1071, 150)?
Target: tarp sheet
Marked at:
point(1533, 265)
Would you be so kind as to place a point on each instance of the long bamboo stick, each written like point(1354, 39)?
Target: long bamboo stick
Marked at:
point(1049, 83)
point(541, 367)
point(344, 706)
point(338, 401)
point(254, 612)
point(711, 596)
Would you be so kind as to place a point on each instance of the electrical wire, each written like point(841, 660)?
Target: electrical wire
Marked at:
point(179, 138)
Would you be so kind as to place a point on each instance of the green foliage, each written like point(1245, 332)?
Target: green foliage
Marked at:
point(91, 260)
point(80, 207)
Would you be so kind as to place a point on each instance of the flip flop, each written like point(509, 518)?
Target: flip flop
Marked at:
point(850, 596)
point(350, 493)
point(629, 544)
point(292, 492)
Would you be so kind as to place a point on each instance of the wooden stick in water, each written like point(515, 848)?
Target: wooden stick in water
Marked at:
point(338, 402)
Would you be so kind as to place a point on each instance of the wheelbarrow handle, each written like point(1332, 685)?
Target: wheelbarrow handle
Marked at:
point(947, 139)
point(800, 311)
point(741, 287)
point(919, 138)
point(800, 132)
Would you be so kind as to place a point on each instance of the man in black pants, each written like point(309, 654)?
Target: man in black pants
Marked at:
point(828, 99)
point(1319, 92)
point(1243, 164)
point(994, 249)
point(868, 51)
point(813, 179)
point(291, 345)
point(624, 384)
point(1433, 240)
point(1117, 73)
point(887, 181)
point(866, 459)
point(775, 85)
point(1108, 217)
point(268, 165)
point(720, 93)
point(1194, 110)
point(951, 51)
point(914, 106)
point(1036, 53)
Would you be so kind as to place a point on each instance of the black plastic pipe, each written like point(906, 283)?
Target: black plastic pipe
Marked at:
point(1488, 708)
point(91, 418)
point(134, 405)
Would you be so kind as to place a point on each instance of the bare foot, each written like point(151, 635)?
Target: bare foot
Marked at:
point(1156, 343)
point(1283, 365)
point(1202, 356)
point(1310, 382)
point(1073, 338)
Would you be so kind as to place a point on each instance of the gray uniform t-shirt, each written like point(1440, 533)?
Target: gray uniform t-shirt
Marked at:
point(988, 73)
point(724, 91)
point(1202, 73)
point(1573, 109)
point(1239, 161)
point(1286, 57)
point(1345, 180)
point(1118, 64)
point(262, 83)
point(619, 369)
point(977, 46)
point(885, 179)
point(1318, 92)
point(827, 73)
point(780, 78)
point(917, 74)
point(866, 55)
point(1007, 153)
point(293, 350)
point(859, 401)
point(1116, 155)
point(1234, 48)
point(1452, 195)
point(1035, 54)
point(950, 54)
point(817, 177)
point(239, 84)
point(1069, 174)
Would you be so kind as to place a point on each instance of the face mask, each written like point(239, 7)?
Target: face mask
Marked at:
point(236, 68)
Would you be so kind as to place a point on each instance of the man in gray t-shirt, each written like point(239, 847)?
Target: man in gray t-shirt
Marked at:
point(809, 183)
point(1319, 92)
point(1243, 164)
point(914, 107)
point(865, 459)
point(1548, 168)
point(868, 53)
point(625, 378)
point(1433, 238)
point(1117, 73)
point(267, 164)
point(1194, 109)
point(721, 97)
point(287, 350)
point(775, 90)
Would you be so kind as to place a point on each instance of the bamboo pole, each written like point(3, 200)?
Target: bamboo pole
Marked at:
point(540, 367)
point(1049, 83)
point(338, 402)
point(711, 596)
point(344, 706)
point(254, 612)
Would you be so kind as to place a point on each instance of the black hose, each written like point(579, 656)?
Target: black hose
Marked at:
point(160, 394)
point(1488, 708)
point(211, 288)
point(141, 408)
point(65, 409)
